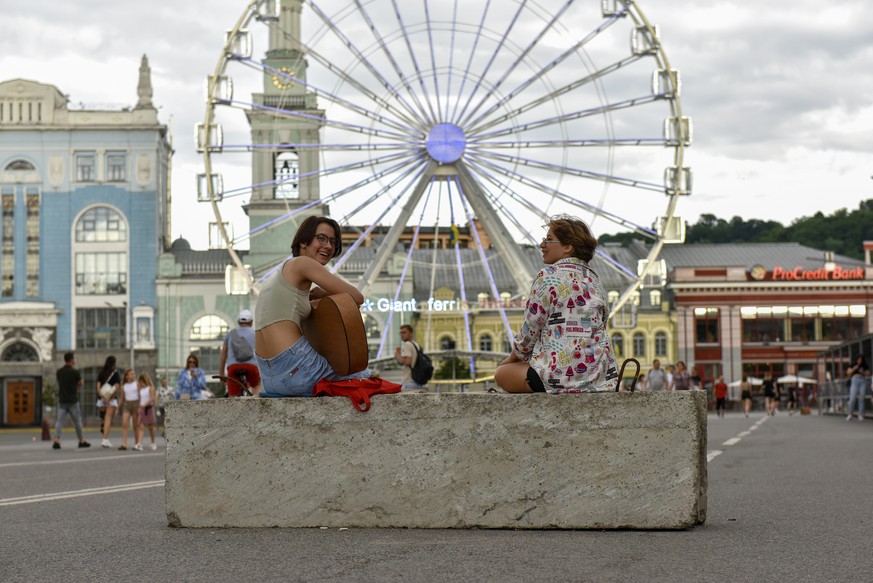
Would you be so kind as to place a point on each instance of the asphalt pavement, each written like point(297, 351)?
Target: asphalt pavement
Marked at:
point(789, 500)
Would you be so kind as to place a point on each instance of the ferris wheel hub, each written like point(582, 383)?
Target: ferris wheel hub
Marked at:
point(446, 143)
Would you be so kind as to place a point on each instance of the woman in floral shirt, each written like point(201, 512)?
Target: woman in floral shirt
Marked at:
point(563, 346)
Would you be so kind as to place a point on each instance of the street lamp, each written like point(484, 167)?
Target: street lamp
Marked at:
point(129, 309)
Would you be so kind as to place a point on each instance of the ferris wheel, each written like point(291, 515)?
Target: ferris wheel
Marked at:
point(404, 115)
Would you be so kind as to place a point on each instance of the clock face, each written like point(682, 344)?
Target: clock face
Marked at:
point(282, 82)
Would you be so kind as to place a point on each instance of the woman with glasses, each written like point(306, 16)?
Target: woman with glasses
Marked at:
point(191, 381)
point(288, 363)
point(562, 346)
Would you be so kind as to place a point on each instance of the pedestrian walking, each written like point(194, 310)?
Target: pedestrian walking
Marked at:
point(721, 391)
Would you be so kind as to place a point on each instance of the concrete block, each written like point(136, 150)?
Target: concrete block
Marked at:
point(597, 461)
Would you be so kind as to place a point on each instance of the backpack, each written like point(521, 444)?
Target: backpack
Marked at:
point(242, 350)
point(422, 371)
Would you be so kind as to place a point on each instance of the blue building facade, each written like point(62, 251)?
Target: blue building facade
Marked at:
point(85, 214)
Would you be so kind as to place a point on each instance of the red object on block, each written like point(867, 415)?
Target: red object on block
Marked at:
point(358, 390)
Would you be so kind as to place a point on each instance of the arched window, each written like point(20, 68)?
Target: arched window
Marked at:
point(206, 337)
point(486, 344)
point(19, 165)
point(101, 224)
point(660, 344)
point(447, 343)
point(287, 175)
point(639, 344)
point(618, 345)
point(19, 352)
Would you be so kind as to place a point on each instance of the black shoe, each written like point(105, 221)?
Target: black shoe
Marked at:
point(56, 445)
point(84, 444)
point(123, 448)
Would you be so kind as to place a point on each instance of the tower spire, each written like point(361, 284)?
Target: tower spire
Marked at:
point(144, 88)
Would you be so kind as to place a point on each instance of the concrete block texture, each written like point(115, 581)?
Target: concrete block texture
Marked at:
point(585, 461)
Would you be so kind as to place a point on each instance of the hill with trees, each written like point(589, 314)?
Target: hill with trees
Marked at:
point(842, 232)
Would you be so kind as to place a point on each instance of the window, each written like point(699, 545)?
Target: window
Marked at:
point(101, 224)
point(101, 328)
point(206, 337)
point(447, 343)
point(763, 330)
point(86, 167)
point(618, 345)
point(372, 327)
point(655, 298)
point(19, 352)
point(7, 251)
point(101, 273)
point(706, 325)
point(486, 343)
point(287, 175)
point(612, 296)
point(208, 328)
point(32, 248)
point(19, 165)
point(660, 344)
point(116, 167)
point(639, 344)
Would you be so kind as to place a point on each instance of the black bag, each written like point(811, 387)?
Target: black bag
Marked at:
point(422, 371)
point(242, 350)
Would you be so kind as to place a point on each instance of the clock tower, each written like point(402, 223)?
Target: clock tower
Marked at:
point(286, 173)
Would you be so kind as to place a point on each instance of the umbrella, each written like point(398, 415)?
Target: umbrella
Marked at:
point(752, 381)
point(796, 379)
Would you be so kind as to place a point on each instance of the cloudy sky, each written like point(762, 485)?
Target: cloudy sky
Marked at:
point(780, 92)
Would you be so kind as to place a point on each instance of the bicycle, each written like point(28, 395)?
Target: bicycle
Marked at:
point(241, 378)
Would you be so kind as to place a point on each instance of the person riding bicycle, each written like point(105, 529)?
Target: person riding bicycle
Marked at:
point(238, 354)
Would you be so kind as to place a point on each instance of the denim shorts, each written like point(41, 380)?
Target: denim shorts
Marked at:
point(294, 372)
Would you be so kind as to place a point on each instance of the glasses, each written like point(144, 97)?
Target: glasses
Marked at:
point(324, 240)
point(547, 241)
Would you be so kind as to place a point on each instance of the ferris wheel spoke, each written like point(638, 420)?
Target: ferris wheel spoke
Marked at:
point(285, 217)
point(472, 54)
point(494, 54)
point(372, 162)
point(585, 143)
point(409, 117)
point(340, 101)
point(386, 190)
point(554, 63)
point(393, 236)
point(380, 40)
point(432, 118)
point(561, 169)
point(354, 128)
point(568, 199)
point(518, 60)
point(362, 59)
point(433, 64)
point(549, 97)
point(451, 59)
point(525, 202)
point(518, 265)
point(492, 281)
point(580, 114)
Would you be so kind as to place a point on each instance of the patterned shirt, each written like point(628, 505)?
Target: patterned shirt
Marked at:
point(563, 336)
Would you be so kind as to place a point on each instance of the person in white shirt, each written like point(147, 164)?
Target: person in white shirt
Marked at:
point(657, 378)
point(129, 405)
point(147, 401)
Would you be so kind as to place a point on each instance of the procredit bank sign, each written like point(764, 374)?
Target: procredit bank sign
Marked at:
point(779, 273)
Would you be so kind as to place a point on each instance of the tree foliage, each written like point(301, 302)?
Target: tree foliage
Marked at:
point(842, 232)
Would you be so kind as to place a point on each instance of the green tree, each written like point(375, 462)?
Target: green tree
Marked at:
point(452, 368)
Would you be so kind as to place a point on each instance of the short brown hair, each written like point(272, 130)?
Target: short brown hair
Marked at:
point(306, 233)
point(573, 231)
point(407, 327)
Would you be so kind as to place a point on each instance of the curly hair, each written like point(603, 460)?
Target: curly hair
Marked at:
point(573, 231)
point(306, 233)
